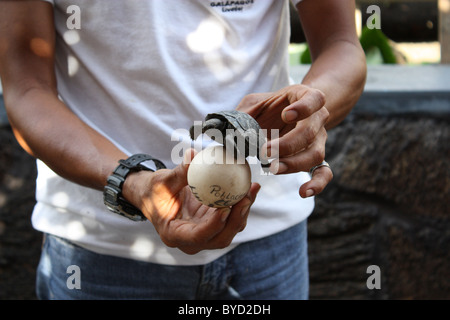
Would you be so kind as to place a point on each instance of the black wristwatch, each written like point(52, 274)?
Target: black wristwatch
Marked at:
point(112, 193)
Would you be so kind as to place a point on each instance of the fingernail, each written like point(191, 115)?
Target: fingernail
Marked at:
point(187, 158)
point(309, 193)
point(290, 116)
point(278, 167)
point(225, 213)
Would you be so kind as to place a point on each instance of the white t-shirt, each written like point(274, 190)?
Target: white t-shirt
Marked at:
point(141, 72)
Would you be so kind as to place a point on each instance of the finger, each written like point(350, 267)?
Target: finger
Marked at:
point(176, 179)
point(196, 233)
point(310, 102)
point(189, 155)
point(299, 138)
point(321, 178)
point(251, 102)
point(216, 229)
point(303, 160)
point(237, 219)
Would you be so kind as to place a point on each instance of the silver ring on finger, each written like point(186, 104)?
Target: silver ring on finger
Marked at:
point(323, 164)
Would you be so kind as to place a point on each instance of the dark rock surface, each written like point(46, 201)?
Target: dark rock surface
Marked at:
point(388, 205)
point(19, 243)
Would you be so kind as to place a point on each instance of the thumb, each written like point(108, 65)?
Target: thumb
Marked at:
point(177, 178)
point(188, 156)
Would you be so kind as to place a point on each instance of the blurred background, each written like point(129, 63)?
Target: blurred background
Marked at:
point(388, 204)
point(408, 29)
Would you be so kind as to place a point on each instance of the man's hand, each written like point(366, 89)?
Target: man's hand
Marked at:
point(299, 113)
point(179, 218)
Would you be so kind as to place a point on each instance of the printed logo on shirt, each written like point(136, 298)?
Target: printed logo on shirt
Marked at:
point(232, 6)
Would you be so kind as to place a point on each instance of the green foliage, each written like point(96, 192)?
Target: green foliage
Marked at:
point(305, 58)
point(375, 38)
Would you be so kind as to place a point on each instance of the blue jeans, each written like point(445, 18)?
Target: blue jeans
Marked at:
point(275, 267)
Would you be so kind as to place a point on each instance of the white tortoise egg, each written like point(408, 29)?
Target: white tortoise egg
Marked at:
point(217, 178)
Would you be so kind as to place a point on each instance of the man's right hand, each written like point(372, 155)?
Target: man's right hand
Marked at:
point(179, 218)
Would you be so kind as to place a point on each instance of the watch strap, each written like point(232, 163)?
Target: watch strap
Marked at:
point(112, 193)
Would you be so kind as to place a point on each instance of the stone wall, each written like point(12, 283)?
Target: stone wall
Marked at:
point(388, 204)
